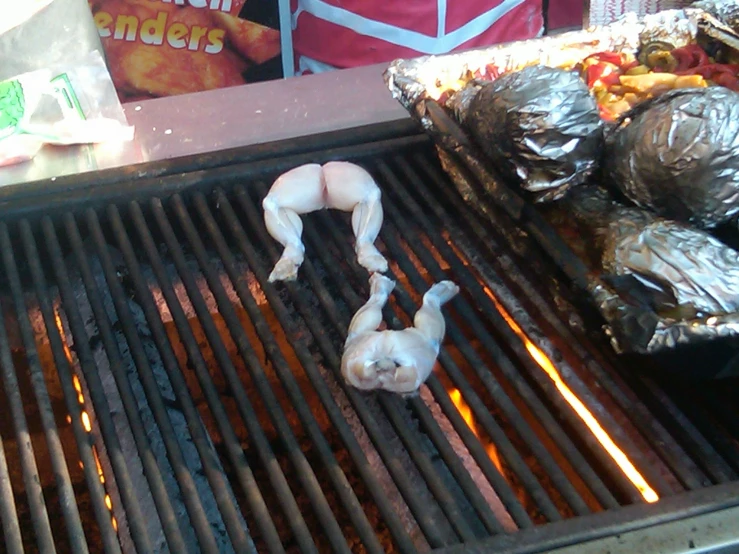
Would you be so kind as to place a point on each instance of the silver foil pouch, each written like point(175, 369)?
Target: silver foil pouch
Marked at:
point(678, 155)
point(698, 271)
point(540, 126)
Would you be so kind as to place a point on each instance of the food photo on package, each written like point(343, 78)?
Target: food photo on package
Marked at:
point(158, 48)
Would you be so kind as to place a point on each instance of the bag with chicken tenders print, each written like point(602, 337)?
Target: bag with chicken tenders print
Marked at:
point(157, 48)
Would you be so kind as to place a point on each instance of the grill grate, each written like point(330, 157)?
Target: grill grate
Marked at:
point(161, 394)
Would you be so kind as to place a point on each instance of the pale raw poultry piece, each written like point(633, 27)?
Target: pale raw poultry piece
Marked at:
point(396, 361)
point(311, 187)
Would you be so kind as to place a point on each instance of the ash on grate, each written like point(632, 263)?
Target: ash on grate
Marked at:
point(174, 413)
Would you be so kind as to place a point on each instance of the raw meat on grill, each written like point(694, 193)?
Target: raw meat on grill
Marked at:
point(396, 361)
point(337, 185)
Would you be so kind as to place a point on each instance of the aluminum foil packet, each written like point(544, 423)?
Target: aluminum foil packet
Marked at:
point(726, 12)
point(541, 126)
point(673, 316)
point(678, 155)
point(411, 81)
point(696, 274)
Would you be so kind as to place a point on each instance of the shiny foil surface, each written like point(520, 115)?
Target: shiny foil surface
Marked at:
point(541, 127)
point(679, 156)
point(662, 283)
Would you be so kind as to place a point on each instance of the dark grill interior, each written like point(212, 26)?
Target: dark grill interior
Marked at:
point(158, 392)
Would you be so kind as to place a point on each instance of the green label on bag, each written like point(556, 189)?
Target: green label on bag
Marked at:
point(12, 107)
point(67, 98)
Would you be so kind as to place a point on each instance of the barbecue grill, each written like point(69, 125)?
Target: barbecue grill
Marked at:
point(160, 395)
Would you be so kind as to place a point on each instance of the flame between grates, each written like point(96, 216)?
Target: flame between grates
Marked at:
point(161, 396)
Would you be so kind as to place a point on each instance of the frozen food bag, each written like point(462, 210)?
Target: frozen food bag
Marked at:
point(59, 105)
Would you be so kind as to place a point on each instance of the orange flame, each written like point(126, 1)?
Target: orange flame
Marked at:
point(466, 413)
point(86, 421)
point(587, 417)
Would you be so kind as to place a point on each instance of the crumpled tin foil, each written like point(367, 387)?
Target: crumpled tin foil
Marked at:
point(700, 272)
point(459, 102)
point(633, 327)
point(412, 80)
point(541, 126)
point(726, 12)
point(678, 155)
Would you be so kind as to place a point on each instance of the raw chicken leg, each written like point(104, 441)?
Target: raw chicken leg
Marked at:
point(397, 361)
point(307, 188)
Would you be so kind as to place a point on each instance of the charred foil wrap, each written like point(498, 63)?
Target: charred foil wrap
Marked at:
point(660, 281)
point(678, 155)
point(539, 125)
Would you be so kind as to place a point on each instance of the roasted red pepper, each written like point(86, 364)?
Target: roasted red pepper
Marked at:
point(689, 56)
point(728, 80)
point(615, 58)
point(606, 73)
point(489, 72)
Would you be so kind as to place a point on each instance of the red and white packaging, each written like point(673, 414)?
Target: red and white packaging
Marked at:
point(330, 34)
point(603, 12)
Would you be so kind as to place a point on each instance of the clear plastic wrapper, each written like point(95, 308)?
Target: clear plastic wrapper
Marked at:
point(37, 34)
point(60, 105)
point(678, 154)
point(541, 126)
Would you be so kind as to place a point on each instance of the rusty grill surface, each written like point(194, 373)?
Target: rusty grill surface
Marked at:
point(160, 395)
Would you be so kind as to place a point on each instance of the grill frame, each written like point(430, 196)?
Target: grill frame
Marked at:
point(231, 168)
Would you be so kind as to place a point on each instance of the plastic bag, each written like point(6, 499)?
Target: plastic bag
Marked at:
point(38, 34)
point(60, 105)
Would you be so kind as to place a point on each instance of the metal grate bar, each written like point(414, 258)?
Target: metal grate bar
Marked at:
point(720, 425)
point(495, 390)
point(151, 469)
point(473, 444)
point(687, 433)
point(305, 358)
point(12, 538)
point(482, 414)
point(355, 301)
point(134, 516)
point(632, 407)
point(84, 447)
point(31, 479)
point(421, 458)
point(56, 452)
point(712, 428)
point(561, 481)
point(208, 457)
point(235, 452)
point(289, 505)
point(554, 430)
point(327, 350)
point(305, 472)
point(452, 460)
point(227, 389)
point(572, 380)
point(455, 465)
point(421, 513)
